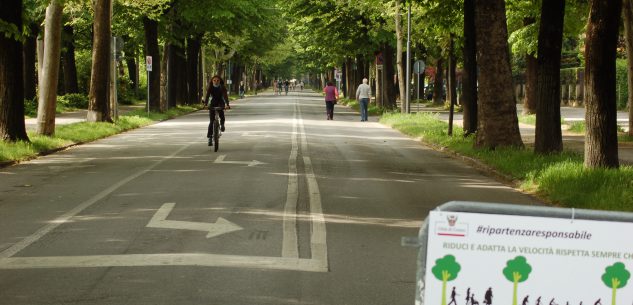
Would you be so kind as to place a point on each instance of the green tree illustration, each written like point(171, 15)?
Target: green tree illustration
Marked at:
point(516, 271)
point(615, 277)
point(445, 270)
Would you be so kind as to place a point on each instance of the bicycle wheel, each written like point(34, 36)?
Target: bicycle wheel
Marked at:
point(216, 135)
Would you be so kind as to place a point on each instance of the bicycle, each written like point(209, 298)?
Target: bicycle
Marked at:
point(217, 132)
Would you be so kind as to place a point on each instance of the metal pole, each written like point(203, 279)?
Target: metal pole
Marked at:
point(408, 78)
point(148, 82)
point(418, 89)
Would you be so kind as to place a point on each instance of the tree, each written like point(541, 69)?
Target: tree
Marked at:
point(523, 17)
point(399, 63)
point(627, 15)
point(498, 122)
point(615, 277)
point(29, 53)
point(70, 67)
point(11, 90)
point(469, 74)
point(517, 271)
point(50, 69)
point(151, 49)
point(548, 135)
point(446, 269)
point(601, 138)
point(98, 98)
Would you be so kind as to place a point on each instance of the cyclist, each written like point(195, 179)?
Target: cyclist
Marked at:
point(286, 85)
point(216, 96)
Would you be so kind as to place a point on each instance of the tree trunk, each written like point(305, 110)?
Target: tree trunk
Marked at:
point(389, 88)
point(11, 87)
point(438, 84)
point(193, 55)
point(380, 71)
point(99, 99)
point(172, 74)
point(548, 138)
point(531, 86)
point(50, 69)
point(163, 104)
point(359, 74)
point(181, 74)
point(399, 65)
point(601, 138)
point(529, 101)
point(30, 71)
point(469, 74)
point(130, 61)
point(70, 66)
point(498, 122)
point(151, 49)
point(452, 85)
point(627, 13)
point(349, 78)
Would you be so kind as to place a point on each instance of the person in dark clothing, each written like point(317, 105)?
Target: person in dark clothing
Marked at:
point(488, 296)
point(216, 96)
point(453, 295)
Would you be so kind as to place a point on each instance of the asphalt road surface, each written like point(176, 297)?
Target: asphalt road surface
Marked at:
point(292, 209)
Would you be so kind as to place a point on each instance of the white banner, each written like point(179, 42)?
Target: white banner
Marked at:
point(518, 260)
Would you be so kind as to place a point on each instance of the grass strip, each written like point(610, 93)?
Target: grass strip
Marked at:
point(557, 178)
point(82, 132)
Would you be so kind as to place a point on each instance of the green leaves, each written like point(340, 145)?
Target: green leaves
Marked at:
point(446, 268)
point(10, 31)
point(517, 270)
point(616, 276)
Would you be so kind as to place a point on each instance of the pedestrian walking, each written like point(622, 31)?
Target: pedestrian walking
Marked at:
point(363, 95)
point(468, 296)
point(331, 95)
point(488, 296)
point(242, 89)
point(453, 295)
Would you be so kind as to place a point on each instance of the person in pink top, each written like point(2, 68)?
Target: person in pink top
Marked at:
point(331, 95)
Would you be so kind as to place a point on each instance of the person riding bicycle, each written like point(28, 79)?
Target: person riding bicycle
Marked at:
point(216, 96)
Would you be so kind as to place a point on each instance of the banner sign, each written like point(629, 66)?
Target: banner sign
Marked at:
point(489, 259)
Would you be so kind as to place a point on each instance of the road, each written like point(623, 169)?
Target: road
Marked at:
point(292, 209)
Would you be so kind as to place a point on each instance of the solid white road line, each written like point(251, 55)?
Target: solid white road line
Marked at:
point(318, 239)
point(290, 246)
point(169, 259)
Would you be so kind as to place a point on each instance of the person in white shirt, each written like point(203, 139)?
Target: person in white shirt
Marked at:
point(363, 94)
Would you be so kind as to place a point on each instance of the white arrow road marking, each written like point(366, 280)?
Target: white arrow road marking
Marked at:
point(220, 159)
point(221, 226)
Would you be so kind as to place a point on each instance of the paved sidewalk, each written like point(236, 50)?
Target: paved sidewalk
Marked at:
point(572, 141)
point(76, 116)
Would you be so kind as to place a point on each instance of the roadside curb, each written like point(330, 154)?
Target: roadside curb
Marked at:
point(475, 163)
point(5, 164)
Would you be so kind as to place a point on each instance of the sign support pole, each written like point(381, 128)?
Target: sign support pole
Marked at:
point(148, 68)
